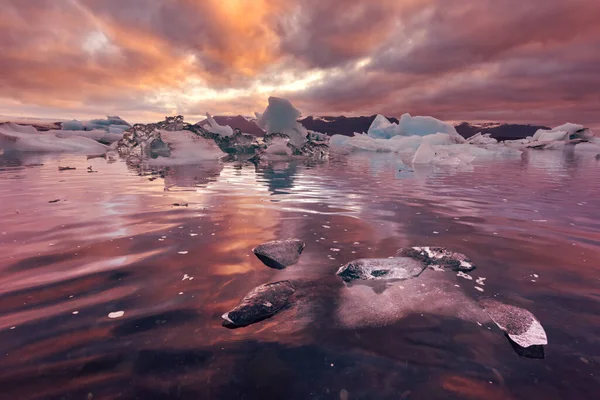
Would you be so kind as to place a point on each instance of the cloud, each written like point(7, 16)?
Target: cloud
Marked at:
point(531, 61)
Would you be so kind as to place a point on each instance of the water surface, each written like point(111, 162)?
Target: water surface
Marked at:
point(114, 241)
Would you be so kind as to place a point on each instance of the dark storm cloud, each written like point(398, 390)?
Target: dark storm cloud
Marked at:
point(502, 60)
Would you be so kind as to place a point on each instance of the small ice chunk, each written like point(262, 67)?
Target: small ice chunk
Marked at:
point(182, 252)
point(116, 314)
point(521, 325)
point(463, 275)
point(479, 288)
point(222, 130)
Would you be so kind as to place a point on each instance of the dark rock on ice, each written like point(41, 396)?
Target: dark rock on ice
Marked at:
point(279, 253)
point(438, 256)
point(238, 143)
point(381, 268)
point(315, 150)
point(535, 351)
point(66, 168)
point(521, 326)
point(261, 303)
point(54, 201)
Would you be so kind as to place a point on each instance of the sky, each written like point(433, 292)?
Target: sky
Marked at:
point(522, 61)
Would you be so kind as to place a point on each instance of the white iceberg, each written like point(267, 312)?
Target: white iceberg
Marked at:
point(557, 137)
point(281, 116)
point(279, 147)
point(424, 154)
point(482, 139)
point(96, 134)
point(111, 124)
point(186, 147)
point(222, 130)
point(15, 137)
point(382, 128)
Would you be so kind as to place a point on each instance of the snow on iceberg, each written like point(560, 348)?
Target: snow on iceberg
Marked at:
point(15, 137)
point(382, 128)
point(111, 124)
point(281, 116)
point(223, 130)
point(557, 138)
point(438, 148)
point(185, 147)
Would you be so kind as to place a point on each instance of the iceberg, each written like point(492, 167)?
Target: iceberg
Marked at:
point(556, 138)
point(169, 142)
point(111, 124)
point(382, 128)
point(185, 147)
point(281, 116)
point(15, 137)
point(222, 130)
point(482, 139)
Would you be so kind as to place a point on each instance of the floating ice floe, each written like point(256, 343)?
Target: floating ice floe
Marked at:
point(381, 268)
point(116, 314)
point(438, 256)
point(558, 137)
point(382, 128)
point(281, 116)
point(15, 137)
point(439, 148)
point(175, 142)
point(223, 130)
point(260, 303)
point(521, 326)
point(112, 124)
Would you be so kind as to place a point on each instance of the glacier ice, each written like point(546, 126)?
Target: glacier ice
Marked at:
point(557, 137)
point(15, 137)
point(111, 124)
point(424, 154)
point(185, 147)
point(281, 116)
point(482, 139)
point(382, 128)
point(223, 130)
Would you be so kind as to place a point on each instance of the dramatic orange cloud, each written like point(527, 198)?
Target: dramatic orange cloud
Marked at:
point(505, 60)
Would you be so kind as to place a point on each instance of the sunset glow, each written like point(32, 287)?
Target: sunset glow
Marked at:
point(469, 60)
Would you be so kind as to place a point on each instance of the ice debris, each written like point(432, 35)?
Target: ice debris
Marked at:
point(281, 116)
point(381, 268)
point(21, 138)
point(439, 256)
point(382, 128)
point(260, 303)
point(279, 254)
point(116, 314)
point(521, 326)
point(558, 137)
point(175, 142)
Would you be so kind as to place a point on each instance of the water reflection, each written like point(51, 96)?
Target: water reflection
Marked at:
point(115, 242)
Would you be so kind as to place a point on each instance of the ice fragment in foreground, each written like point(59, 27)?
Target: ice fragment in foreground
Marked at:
point(520, 325)
point(279, 254)
point(260, 303)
